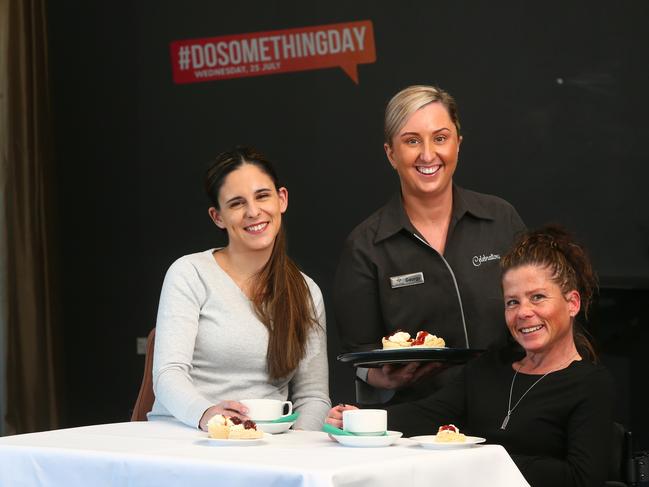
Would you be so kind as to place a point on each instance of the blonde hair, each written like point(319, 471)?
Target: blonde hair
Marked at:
point(408, 101)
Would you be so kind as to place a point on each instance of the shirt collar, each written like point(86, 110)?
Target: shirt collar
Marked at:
point(393, 218)
point(464, 201)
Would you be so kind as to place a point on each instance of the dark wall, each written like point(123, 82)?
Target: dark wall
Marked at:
point(553, 104)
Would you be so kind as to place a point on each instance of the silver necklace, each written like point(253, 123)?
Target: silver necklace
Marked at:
point(510, 409)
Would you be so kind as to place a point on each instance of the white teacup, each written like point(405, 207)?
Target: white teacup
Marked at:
point(266, 409)
point(366, 422)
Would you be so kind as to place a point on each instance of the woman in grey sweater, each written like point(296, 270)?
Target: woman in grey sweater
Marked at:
point(240, 321)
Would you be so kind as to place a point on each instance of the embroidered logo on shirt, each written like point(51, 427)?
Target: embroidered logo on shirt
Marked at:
point(407, 280)
point(478, 260)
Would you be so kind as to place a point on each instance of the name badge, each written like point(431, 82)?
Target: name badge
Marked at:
point(407, 280)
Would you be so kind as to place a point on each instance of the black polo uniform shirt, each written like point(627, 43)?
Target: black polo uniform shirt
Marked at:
point(389, 278)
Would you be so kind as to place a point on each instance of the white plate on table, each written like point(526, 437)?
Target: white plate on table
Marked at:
point(430, 441)
point(235, 442)
point(275, 428)
point(368, 441)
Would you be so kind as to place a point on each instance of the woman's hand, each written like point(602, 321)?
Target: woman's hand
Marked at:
point(335, 415)
point(226, 408)
point(397, 376)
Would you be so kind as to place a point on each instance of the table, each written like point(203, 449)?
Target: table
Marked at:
point(168, 453)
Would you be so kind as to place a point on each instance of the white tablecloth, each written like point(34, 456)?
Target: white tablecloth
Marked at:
point(167, 453)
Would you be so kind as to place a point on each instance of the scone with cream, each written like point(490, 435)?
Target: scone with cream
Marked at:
point(402, 339)
point(449, 433)
point(426, 340)
point(399, 339)
point(232, 428)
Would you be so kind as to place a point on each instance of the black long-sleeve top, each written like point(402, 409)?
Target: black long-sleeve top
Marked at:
point(558, 435)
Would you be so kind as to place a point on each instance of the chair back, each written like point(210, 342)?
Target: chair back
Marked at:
point(146, 397)
point(621, 454)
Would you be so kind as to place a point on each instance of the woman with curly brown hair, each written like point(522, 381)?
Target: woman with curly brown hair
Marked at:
point(543, 397)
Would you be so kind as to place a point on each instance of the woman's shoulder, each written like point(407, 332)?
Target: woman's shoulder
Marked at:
point(588, 381)
point(385, 218)
point(368, 227)
point(314, 289)
point(317, 300)
point(593, 372)
point(487, 202)
point(494, 209)
point(192, 262)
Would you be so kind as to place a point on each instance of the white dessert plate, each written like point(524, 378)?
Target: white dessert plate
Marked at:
point(237, 442)
point(275, 428)
point(430, 441)
point(368, 441)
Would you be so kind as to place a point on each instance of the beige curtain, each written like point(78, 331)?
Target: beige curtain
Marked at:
point(32, 368)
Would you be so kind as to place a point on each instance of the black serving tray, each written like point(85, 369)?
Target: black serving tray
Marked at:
point(377, 358)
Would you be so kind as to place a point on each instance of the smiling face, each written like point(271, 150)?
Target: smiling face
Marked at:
point(538, 313)
point(424, 151)
point(250, 209)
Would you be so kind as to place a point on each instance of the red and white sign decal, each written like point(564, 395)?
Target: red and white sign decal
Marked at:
point(279, 51)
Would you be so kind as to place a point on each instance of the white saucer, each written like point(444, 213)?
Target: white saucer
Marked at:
point(368, 441)
point(275, 428)
point(430, 441)
point(237, 442)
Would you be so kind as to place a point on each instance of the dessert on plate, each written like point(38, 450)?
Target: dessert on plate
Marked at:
point(402, 339)
point(398, 339)
point(449, 433)
point(232, 428)
point(426, 340)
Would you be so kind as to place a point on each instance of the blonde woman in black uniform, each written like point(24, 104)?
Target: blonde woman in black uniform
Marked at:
point(428, 260)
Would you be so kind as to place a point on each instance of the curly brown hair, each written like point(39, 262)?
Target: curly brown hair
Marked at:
point(554, 248)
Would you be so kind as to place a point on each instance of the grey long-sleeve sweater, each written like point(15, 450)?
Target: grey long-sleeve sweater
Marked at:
point(210, 346)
